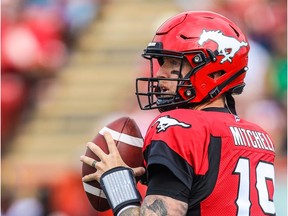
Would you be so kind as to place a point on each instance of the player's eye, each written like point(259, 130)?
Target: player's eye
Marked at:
point(175, 62)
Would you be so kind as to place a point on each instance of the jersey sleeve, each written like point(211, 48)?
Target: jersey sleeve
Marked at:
point(173, 140)
point(163, 182)
point(159, 153)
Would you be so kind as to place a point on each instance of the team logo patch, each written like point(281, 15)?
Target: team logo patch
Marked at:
point(227, 46)
point(165, 122)
point(237, 118)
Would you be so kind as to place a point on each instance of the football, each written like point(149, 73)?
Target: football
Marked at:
point(129, 142)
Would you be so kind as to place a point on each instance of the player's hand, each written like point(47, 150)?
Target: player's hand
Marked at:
point(107, 161)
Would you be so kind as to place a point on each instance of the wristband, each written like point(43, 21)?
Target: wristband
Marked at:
point(119, 186)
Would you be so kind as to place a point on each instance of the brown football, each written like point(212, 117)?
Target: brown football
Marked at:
point(129, 142)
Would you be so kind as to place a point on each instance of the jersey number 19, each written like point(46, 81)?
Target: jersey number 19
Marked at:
point(264, 173)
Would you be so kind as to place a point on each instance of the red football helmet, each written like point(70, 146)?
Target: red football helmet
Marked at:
point(210, 43)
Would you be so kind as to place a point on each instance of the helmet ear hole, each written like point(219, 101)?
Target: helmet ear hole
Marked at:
point(216, 74)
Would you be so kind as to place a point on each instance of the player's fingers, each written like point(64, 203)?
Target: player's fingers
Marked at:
point(110, 142)
point(89, 161)
point(90, 177)
point(138, 171)
point(96, 150)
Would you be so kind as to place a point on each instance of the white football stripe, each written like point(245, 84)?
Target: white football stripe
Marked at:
point(93, 190)
point(134, 141)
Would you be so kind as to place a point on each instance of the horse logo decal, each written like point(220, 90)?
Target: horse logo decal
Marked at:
point(165, 122)
point(227, 46)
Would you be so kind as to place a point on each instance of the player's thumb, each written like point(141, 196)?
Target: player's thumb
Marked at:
point(138, 171)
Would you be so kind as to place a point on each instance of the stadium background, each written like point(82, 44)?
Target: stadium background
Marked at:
point(68, 67)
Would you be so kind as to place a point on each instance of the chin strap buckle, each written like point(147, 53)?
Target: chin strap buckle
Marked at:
point(214, 92)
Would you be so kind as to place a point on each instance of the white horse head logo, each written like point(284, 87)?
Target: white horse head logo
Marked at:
point(165, 122)
point(227, 46)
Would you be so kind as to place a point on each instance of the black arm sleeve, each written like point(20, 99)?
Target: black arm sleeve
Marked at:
point(159, 153)
point(163, 182)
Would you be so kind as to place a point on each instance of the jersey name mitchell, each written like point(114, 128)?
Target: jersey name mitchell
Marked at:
point(252, 139)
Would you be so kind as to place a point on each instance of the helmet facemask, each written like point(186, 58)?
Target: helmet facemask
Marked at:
point(153, 96)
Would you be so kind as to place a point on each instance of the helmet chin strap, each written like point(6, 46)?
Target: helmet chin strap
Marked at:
point(229, 100)
point(230, 103)
point(217, 90)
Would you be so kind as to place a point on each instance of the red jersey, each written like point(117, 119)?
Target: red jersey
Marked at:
point(225, 161)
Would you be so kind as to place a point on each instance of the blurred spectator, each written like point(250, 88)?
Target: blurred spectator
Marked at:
point(36, 40)
point(68, 196)
point(32, 43)
point(78, 15)
point(269, 114)
point(256, 78)
point(7, 198)
point(64, 197)
point(25, 207)
point(75, 15)
point(14, 93)
point(14, 206)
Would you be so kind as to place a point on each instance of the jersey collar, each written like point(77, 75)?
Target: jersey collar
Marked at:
point(216, 109)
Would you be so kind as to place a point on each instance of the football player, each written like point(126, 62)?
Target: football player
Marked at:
point(201, 158)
